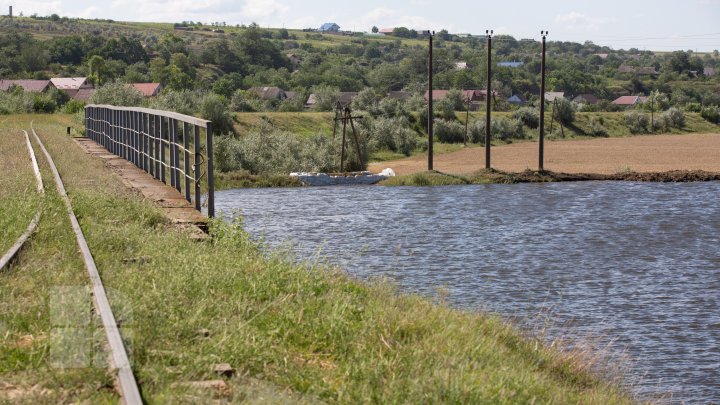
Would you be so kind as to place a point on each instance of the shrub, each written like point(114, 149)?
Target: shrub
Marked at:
point(565, 111)
point(636, 121)
point(693, 107)
point(118, 94)
point(267, 151)
point(530, 117)
point(674, 118)
point(505, 129)
point(391, 134)
point(73, 106)
point(44, 104)
point(501, 128)
point(294, 105)
point(596, 127)
point(244, 101)
point(449, 131)
point(711, 113)
point(180, 101)
point(213, 109)
point(325, 97)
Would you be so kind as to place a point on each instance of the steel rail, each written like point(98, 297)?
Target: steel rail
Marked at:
point(119, 359)
point(15, 248)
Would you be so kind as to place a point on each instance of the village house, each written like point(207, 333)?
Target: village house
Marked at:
point(511, 64)
point(147, 89)
point(472, 95)
point(71, 85)
point(32, 86)
point(329, 28)
point(399, 95)
point(386, 31)
point(269, 93)
point(627, 101)
point(84, 95)
point(551, 96)
point(586, 99)
point(517, 99)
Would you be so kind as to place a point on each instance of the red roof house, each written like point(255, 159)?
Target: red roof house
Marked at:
point(629, 100)
point(33, 86)
point(148, 89)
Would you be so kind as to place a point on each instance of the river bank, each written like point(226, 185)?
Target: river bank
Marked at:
point(290, 333)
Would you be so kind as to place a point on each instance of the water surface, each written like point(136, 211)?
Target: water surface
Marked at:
point(634, 262)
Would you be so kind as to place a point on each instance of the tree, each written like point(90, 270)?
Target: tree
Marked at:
point(118, 94)
point(375, 30)
point(228, 84)
point(96, 64)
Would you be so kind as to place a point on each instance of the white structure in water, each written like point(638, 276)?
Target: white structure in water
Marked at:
point(354, 178)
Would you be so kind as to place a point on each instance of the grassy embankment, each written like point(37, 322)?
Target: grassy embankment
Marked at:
point(294, 333)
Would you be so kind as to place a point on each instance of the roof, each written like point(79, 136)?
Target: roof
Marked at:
point(473, 95)
point(269, 93)
point(462, 65)
point(346, 97)
point(629, 100)
point(516, 99)
point(329, 27)
point(34, 86)
point(552, 95)
point(147, 89)
point(387, 30)
point(399, 95)
point(586, 98)
point(513, 64)
point(65, 83)
point(83, 94)
point(292, 95)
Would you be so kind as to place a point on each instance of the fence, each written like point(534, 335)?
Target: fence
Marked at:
point(160, 143)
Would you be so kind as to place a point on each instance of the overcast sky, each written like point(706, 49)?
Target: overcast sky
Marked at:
point(661, 25)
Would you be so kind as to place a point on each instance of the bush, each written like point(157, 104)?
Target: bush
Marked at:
point(693, 107)
point(529, 116)
point(44, 104)
point(674, 118)
point(390, 134)
point(213, 109)
point(501, 128)
point(73, 107)
point(294, 105)
point(117, 94)
point(449, 131)
point(180, 101)
point(711, 113)
point(636, 122)
point(244, 101)
point(267, 151)
point(565, 111)
point(596, 127)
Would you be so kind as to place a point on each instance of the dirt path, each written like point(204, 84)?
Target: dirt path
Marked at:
point(651, 153)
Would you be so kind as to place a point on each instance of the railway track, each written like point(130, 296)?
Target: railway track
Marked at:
point(118, 358)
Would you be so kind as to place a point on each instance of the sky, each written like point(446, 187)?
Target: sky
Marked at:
point(659, 25)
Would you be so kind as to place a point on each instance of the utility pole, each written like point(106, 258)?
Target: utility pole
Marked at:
point(487, 98)
point(467, 116)
point(430, 101)
point(541, 151)
point(652, 113)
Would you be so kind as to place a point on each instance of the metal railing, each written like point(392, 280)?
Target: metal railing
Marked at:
point(160, 143)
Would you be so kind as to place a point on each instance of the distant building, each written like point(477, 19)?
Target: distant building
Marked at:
point(629, 100)
point(32, 86)
point(512, 64)
point(551, 96)
point(586, 99)
point(346, 97)
point(400, 95)
point(472, 95)
point(386, 31)
point(329, 27)
point(71, 85)
point(84, 95)
point(269, 93)
point(148, 89)
point(709, 71)
point(463, 66)
point(601, 55)
point(517, 99)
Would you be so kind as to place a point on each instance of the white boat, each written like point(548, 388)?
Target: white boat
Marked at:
point(344, 179)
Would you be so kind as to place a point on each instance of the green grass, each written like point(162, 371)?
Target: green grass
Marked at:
point(294, 333)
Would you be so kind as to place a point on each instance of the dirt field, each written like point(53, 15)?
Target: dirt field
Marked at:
point(651, 153)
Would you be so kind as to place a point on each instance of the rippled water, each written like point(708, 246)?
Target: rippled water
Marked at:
point(637, 262)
